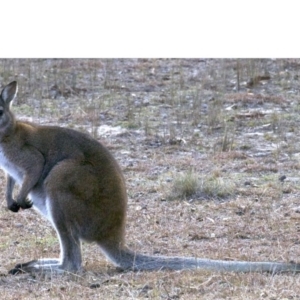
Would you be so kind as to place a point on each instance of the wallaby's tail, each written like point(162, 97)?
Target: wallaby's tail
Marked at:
point(129, 260)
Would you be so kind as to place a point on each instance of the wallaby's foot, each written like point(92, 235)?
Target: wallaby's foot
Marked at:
point(25, 204)
point(41, 266)
point(33, 266)
point(16, 270)
point(14, 207)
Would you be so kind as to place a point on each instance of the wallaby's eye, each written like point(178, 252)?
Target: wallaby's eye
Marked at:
point(1, 112)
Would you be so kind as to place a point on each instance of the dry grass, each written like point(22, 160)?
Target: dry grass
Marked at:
point(164, 118)
point(189, 186)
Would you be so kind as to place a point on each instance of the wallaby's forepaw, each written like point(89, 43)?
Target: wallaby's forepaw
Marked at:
point(14, 207)
point(25, 204)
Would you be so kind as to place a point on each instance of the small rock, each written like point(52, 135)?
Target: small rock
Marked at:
point(240, 212)
point(282, 178)
point(297, 210)
point(3, 271)
point(95, 285)
point(146, 288)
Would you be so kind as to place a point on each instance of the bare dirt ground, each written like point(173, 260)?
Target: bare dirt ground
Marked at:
point(210, 152)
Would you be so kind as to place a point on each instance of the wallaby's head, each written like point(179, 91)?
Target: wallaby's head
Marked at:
point(7, 96)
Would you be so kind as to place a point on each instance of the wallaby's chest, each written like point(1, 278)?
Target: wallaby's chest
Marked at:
point(9, 166)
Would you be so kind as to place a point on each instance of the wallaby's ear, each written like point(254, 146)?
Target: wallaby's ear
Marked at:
point(9, 92)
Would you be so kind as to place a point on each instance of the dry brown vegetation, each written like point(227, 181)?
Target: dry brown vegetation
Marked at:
point(203, 144)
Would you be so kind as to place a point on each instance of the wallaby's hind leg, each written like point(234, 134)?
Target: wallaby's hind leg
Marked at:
point(70, 247)
point(70, 258)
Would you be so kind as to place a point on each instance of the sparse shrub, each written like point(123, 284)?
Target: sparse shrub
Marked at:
point(217, 187)
point(215, 114)
point(190, 185)
point(186, 185)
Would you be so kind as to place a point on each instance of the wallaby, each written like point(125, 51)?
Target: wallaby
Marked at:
point(75, 182)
